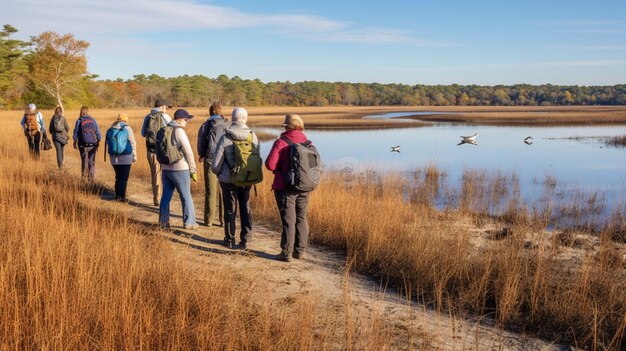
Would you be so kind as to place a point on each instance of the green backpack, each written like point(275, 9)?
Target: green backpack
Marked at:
point(248, 168)
point(167, 150)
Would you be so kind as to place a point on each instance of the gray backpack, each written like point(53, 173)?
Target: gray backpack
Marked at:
point(305, 166)
point(167, 149)
point(155, 123)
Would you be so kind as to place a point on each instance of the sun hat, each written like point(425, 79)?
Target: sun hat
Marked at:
point(122, 117)
point(293, 121)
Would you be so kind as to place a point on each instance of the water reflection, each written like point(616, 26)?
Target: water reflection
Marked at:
point(575, 156)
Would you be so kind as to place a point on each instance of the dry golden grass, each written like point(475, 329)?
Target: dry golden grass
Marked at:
point(74, 276)
point(428, 252)
point(442, 263)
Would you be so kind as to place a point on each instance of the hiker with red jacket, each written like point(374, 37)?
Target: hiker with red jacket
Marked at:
point(87, 137)
point(292, 203)
point(34, 128)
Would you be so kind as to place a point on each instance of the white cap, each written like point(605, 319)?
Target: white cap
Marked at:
point(32, 107)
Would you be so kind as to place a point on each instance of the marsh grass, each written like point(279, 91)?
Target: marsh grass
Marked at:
point(74, 275)
point(439, 258)
point(618, 141)
point(388, 226)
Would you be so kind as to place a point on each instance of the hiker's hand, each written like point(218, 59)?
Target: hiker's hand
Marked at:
point(75, 146)
point(194, 176)
point(201, 159)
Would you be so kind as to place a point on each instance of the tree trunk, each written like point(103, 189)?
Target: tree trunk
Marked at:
point(59, 102)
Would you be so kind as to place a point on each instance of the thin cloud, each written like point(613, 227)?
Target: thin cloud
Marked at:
point(119, 17)
point(375, 36)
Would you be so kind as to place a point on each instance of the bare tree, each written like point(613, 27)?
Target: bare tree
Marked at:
point(58, 62)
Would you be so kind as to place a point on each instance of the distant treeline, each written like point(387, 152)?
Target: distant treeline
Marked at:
point(199, 90)
point(51, 70)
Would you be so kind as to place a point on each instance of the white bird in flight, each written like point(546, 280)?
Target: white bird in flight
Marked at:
point(468, 140)
point(395, 148)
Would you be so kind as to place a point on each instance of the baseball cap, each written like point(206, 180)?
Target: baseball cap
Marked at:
point(182, 114)
point(162, 102)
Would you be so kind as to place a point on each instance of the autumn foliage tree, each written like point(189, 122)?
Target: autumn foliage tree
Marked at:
point(58, 63)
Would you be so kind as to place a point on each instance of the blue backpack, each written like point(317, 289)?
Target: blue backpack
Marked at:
point(117, 141)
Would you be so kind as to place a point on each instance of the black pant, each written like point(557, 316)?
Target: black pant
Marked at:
point(122, 172)
point(34, 145)
point(292, 206)
point(232, 195)
point(59, 147)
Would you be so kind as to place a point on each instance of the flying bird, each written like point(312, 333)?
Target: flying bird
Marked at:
point(395, 148)
point(528, 140)
point(471, 142)
point(468, 140)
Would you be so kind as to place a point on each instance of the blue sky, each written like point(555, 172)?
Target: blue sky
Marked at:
point(412, 42)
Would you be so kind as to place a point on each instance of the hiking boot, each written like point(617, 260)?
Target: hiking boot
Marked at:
point(283, 256)
point(243, 246)
point(156, 202)
point(190, 226)
point(165, 226)
point(298, 255)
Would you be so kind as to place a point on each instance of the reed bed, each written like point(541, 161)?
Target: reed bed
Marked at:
point(393, 227)
point(618, 141)
point(519, 275)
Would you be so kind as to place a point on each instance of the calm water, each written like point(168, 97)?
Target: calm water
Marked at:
point(585, 163)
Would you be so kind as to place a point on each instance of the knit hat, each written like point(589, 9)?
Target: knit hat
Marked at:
point(240, 115)
point(122, 117)
point(293, 121)
point(32, 107)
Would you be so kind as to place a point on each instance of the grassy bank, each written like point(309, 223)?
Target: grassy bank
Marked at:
point(518, 274)
point(74, 276)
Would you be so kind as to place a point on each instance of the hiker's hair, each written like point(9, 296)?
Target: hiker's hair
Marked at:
point(58, 110)
point(215, 109)
point(84, 111)
point(294, 127)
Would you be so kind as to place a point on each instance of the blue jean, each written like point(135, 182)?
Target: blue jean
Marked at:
point(180, 181)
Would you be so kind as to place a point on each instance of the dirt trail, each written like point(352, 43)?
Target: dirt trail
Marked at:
point(320, 274)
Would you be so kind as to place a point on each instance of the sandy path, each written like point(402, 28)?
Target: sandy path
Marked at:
point(321, 275)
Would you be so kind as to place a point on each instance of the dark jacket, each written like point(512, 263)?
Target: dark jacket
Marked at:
point(278, 159)
point(61, 136)
point(209, 134)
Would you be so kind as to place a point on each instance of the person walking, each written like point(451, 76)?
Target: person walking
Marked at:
point(87, 137)
point(59, 129)
point(34, 129)
point(121, 146)
point(210, 133)
point(223, 163)
point(292, 203)
point(152, 123)
point(176, 173)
